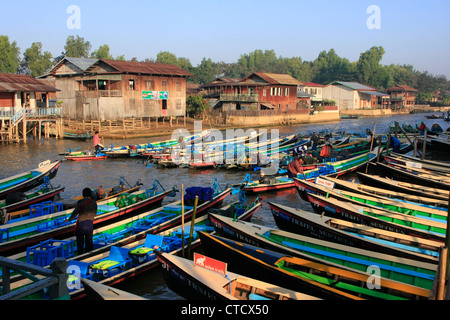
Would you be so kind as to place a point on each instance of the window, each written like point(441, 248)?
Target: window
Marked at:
point(178, 103)
point(279, 91)
point(149, 84)
point(178, 86)
point(272, 91)
point(164, 85)
point(286, 92)
point(131, 84)
point(264, 92)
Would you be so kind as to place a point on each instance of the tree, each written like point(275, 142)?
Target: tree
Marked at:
point(195, 105)
point(102, 53)
point(9, 55)
point(77, 47)
point(37, 61)
point(369, 64)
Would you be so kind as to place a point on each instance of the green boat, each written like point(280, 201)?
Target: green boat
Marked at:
point(412, 272)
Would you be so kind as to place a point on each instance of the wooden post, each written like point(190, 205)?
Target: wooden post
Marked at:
point(192, 227)
point(415, 146)
point(424, 144)
point(182, 220)
point(371, 145)
point(442, 273)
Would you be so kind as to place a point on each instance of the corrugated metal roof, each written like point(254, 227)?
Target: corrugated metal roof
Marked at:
point(82, 63)
point(19, 82)
point(375, 93)
point(275, 78)
point(354, 85)
point(147, 68)
point(400, 87)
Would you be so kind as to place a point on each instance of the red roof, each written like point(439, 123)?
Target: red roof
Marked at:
point(20, 82)
point(147, 68)
point(401, 87)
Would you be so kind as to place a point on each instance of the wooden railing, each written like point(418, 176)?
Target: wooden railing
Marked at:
point(240, 97)
point(99, 93)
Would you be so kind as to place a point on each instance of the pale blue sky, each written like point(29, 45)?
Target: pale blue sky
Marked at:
point(412, 32)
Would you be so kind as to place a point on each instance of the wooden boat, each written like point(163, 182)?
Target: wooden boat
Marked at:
point(195, 282)
point(18, 235)
point(77, 136)
point(86, 156)
point(432, 181)
point(406, 160)
point(29, 180)
point(15, 209)
point(391, 267)
point(98, 291)
point(375, 202)
point(355, 235)
point(326, 281)
point(338, 168)
point(410, 225)
point(369, 190)
point(401, 186)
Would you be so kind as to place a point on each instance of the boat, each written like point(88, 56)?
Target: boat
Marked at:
point(401, 186)
point(77, 136)
point(429, 180)
point(383, 219)
point(410, 161)
point(385, 193)
point(30, 179)
point(391, 267)
point(327, 190)
point(98, 291)
point(26, 200)
point(194, 282)
point(355, 235)
point(326, 281)
point(18, 235)
point(86, 156)
point(338, 168)
point(435, 116)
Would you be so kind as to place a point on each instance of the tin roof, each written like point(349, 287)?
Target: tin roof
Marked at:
point(400, 87)
point(146, 68)
point(20, 82)
point(354, 85)
point(275, 78)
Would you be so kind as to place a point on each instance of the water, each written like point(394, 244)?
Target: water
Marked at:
point(75, 176)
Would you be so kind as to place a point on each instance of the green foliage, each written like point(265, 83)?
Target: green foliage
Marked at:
point(77, 47)
point(195, 105)
point(102, 53)
point(37, 61)
point(9, 55)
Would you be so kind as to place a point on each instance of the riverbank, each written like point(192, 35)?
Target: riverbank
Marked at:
point(145, 128)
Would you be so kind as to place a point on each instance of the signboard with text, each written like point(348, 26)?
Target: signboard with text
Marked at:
point(155, 95)
point(210, 264)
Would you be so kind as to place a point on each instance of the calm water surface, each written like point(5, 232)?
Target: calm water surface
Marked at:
point(74, 176)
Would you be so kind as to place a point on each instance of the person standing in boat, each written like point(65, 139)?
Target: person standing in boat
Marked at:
point(86, 210)
point(315, 140)
point(97, 142)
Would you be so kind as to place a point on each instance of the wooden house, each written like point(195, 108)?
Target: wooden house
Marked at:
point(353, 96)
point(111, 90)
point(402, 96)
point(258, 91)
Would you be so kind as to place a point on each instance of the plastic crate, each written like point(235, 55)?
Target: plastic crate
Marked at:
point(44, 208)
point(45, 252)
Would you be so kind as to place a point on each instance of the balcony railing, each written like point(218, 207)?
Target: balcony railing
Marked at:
point(99, 93)
point(240, 97)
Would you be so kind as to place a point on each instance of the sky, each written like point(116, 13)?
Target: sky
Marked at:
point(411, 31)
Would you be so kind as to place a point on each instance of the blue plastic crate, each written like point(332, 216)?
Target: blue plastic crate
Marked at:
point(45, 252)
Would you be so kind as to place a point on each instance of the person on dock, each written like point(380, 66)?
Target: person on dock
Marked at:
point(97, 142)
point(86, 210)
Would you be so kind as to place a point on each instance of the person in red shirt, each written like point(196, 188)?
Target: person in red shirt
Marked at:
point(96, 139)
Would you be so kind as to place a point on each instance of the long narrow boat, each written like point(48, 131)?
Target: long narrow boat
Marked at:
point(98, 291)
point(355, 235)
point(327, 281)
point(46, 193)
point(395, 268)
point(29, 179)
point(401, 186)
point(369, 190)
point(86, 156)
point(198, 283)
point(135, 240)
point(410, 225)
point(19, 235)
point(375, 202)
point(432, 181)
point(404, 159)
